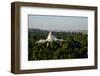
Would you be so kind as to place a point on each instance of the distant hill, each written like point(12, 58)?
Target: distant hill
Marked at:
point(69, 31)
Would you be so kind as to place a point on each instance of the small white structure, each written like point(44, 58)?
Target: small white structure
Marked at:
point(50, 38)
point(41, 41)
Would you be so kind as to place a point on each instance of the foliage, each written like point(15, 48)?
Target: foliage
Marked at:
point(74, 47)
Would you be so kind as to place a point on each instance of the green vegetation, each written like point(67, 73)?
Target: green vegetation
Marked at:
point(75, 46)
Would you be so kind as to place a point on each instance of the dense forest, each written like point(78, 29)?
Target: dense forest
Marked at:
point(75, 45)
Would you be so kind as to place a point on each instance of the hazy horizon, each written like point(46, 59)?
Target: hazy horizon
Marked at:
point(58, 23)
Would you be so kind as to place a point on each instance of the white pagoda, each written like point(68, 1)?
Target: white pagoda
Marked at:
point(50, 38)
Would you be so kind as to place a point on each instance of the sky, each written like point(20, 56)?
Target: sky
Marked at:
point(57, 23)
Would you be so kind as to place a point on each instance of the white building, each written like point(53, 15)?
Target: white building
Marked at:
point(50, 38)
